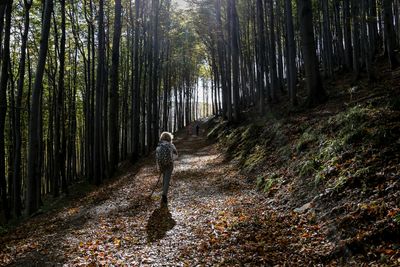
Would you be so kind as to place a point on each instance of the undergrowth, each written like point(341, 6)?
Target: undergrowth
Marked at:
point(340, 149)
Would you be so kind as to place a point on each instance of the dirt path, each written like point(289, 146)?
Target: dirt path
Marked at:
point(214, 216)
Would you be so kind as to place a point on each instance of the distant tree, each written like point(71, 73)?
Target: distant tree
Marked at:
point(390, 34)
point(291, 55)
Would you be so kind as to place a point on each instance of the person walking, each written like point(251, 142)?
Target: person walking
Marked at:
point(166, 153)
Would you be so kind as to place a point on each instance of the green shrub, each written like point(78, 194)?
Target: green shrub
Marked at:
point(397, 218)
point(266, 184)
point(305, 140)
point(309, 168)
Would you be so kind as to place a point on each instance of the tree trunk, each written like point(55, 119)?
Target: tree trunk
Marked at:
point(235, 59)
point(316, 92)
point(98, 128)
point(18, 133)
point(34, 127)
point(114, 94)
point(5, 61)
point(347, 35)
point(261, 55)
point(136, 94)
point(390, 34)
point(291, 68)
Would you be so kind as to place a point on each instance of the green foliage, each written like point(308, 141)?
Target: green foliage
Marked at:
point(305, 140)
point(309, 168)
point(351, 125)
point(338, 183)
point(397, 218)
point(360, 173)
point(266, 183)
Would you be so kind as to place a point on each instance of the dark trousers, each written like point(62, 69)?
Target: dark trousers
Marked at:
point(166, 178)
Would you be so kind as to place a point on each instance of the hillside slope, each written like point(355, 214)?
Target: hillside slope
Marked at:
point(336, 167)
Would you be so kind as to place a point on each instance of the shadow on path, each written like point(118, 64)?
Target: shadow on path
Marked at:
point(159, 223)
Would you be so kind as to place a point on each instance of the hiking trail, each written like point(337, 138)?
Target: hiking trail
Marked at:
point(214, 216)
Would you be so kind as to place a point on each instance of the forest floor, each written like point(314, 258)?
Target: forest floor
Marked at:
point(316, 187)
point(214, 216)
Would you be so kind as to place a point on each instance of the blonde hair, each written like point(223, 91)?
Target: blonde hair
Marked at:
point(166, 136)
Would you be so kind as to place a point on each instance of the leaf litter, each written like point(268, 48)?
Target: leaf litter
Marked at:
point(215, 216)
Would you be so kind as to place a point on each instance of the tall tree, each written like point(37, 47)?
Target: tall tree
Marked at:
point(98, 149)
point(234, 28)
point(114, 94)
point(33, 199)
point(18, 132)
point(5, 61)
point(261, 55)
point(316, 92)
point(291, 54)
point(136, 93)
point(59, 172)
point(390, 34)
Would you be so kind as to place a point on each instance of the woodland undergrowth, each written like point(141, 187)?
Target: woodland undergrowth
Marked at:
point(336, 166)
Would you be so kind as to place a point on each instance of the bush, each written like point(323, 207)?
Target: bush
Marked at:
point(305, 140)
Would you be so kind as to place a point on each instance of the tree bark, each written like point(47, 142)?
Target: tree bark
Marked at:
point(5, 58)
point(316, 92)
point(291, 68)
point(390, 34)
point(114, 92)
point(98, 128)
point(18, 133)
point(34, 123)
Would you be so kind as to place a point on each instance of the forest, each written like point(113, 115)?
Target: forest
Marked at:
point(297, 103)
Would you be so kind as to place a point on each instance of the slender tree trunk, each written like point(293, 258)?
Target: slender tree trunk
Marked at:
point(18, 133)
point(114, 94)
point(98, 144)
point(327, 37)
point(221, 59)
point(60, 116)
point(34, 127)
point(235, 59)
point(272, 53)
point(261, 55)
point(356, 37)
point(390, 34)
point(316, 92)
point(137, 93)
point(347, 35)
point(291, 68)
point(5, 61)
